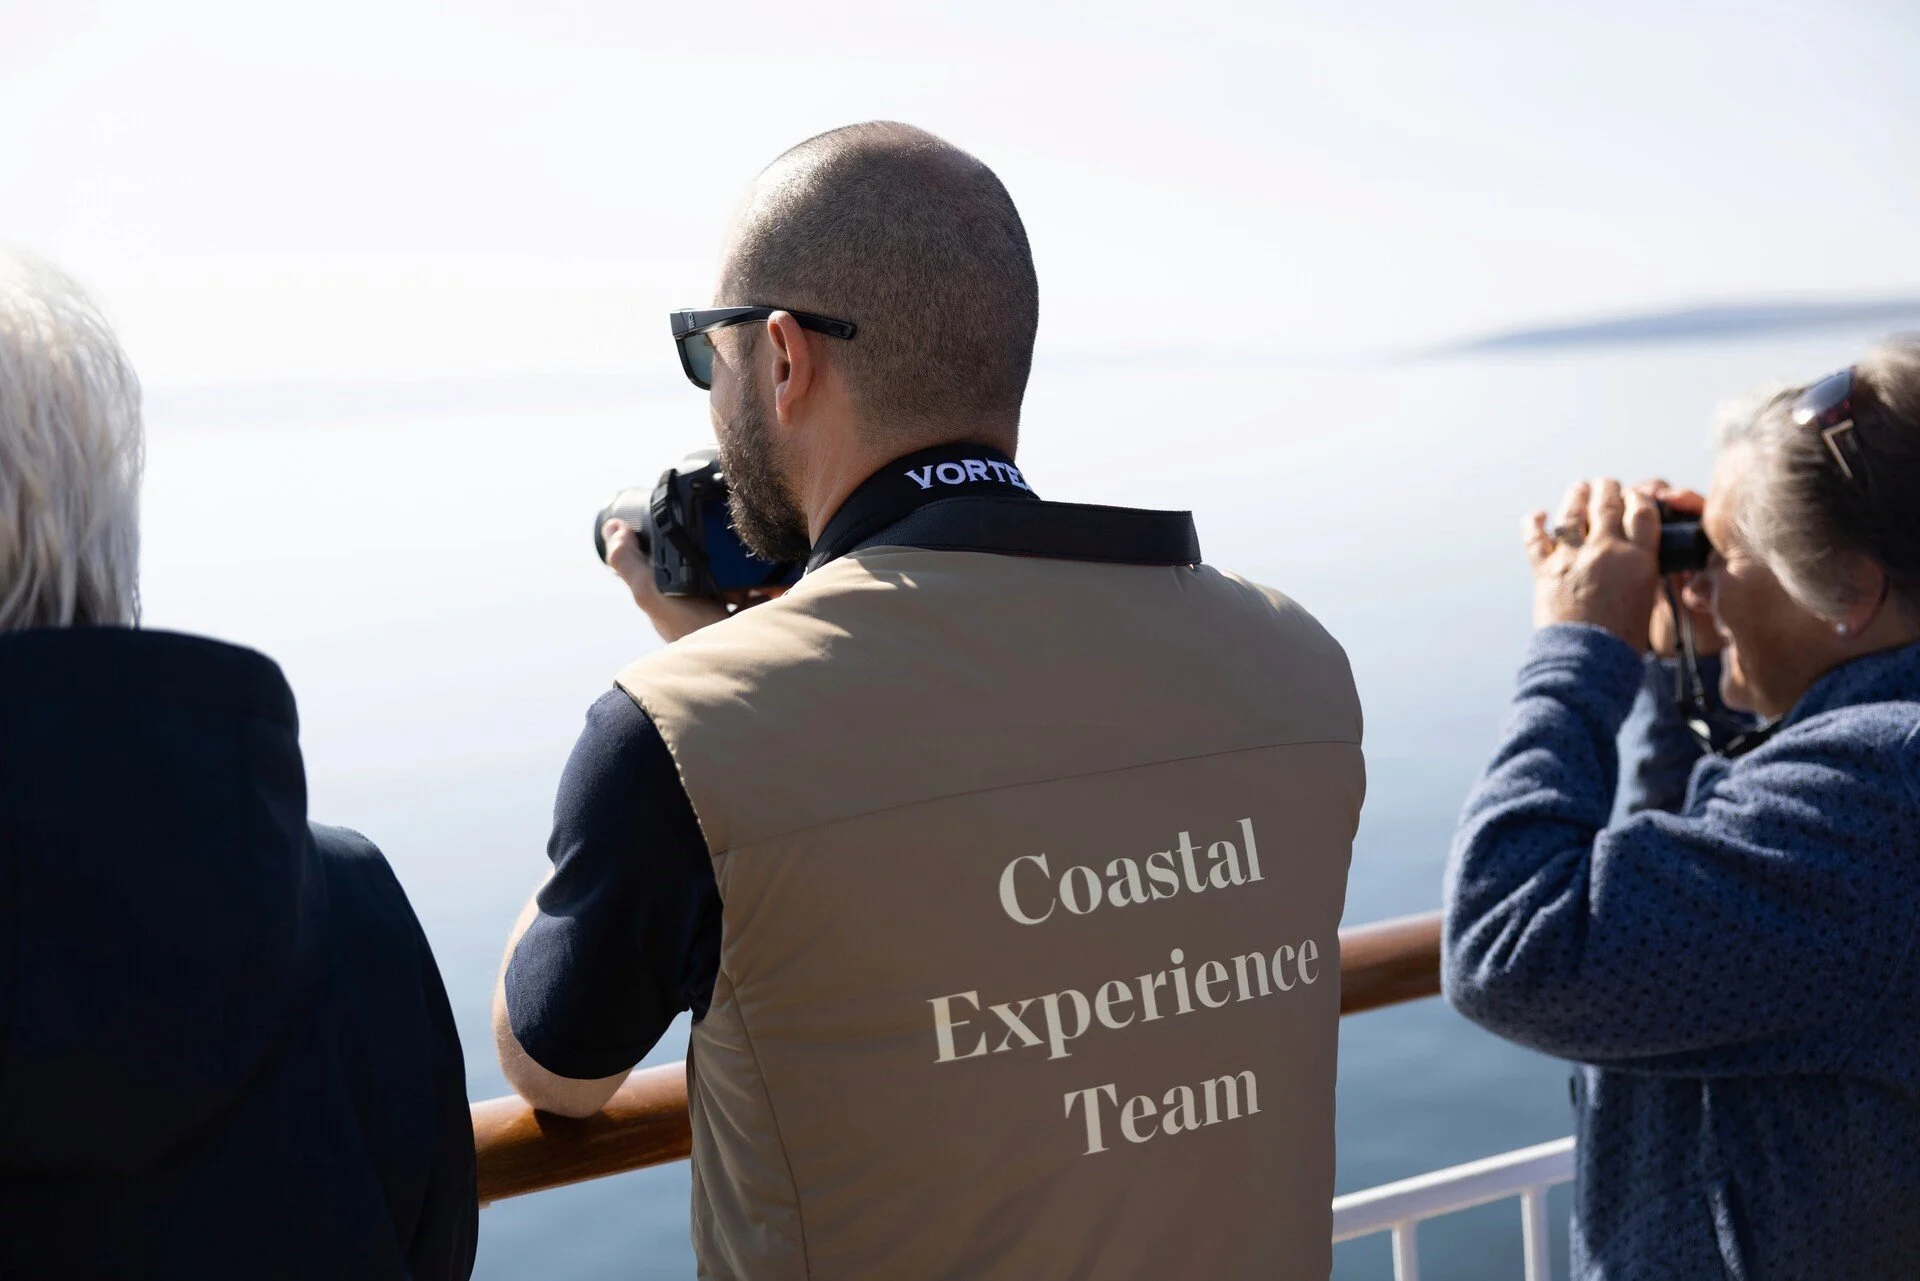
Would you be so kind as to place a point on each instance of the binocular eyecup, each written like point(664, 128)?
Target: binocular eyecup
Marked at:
point(1684, 545)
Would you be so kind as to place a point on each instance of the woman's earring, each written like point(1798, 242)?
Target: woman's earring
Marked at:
point(1840, 629)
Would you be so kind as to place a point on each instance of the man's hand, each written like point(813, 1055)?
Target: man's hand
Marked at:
point(1601, 565)
point(672, 616)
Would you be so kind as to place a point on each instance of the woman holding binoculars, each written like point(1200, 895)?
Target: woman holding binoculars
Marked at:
point(1728, 952)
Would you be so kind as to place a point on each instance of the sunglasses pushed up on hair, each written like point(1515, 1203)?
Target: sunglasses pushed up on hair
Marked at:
point(693, 334)
point(1827, 407)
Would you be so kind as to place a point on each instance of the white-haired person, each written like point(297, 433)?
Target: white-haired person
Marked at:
point(1733, 963)
point(225, 1050)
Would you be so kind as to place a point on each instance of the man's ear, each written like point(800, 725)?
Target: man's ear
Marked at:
point(796, 369)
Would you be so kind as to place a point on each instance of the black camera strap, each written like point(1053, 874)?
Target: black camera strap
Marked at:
point(966, 497)
point(671, 524)
point(907, 484)
point(1690, 692)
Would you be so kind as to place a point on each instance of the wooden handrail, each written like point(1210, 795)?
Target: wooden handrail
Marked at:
point(645, 1123)
point(521, 1150)
point(1388, 962)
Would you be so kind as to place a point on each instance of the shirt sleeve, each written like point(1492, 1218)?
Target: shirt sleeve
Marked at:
point(627, 933)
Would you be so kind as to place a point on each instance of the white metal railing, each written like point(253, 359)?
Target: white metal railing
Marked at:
point(1398, 1207)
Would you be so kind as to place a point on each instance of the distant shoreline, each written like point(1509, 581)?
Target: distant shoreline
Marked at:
point(1710, 322)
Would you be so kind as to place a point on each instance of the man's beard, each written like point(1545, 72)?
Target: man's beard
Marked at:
point(764, 513)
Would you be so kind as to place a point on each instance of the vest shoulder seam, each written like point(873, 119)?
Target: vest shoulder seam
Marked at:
point(786, 832)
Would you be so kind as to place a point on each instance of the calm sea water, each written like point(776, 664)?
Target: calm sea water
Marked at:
point(419, 561)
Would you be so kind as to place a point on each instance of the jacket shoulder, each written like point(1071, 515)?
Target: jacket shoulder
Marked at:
point(360, 881)
point(375, 937)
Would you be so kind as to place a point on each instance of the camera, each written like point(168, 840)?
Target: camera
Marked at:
point(683, 526)
point(1684, 545)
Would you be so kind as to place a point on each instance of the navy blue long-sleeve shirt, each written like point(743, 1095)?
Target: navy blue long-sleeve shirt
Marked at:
point(1737, 978)
point(628, 932)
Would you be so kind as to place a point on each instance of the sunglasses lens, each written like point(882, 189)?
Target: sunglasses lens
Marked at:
point(1821, 399)
point(696, 351)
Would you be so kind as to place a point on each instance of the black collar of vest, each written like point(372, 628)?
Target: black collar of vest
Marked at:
point(972, 498)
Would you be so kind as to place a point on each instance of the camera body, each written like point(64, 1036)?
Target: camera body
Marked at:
point(683, 525)
point(1684, 545)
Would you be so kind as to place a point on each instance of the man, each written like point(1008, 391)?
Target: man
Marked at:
point(1000, 861)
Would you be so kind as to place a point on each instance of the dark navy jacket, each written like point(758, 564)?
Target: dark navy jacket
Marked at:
point(1738, 978)
point(225, 1050)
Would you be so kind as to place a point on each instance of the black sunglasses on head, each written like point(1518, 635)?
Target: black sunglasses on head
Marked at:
point(1827, 407)
point(693, 334)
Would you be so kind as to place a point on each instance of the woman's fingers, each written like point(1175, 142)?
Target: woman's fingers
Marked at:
point(1606, 508)
point(1612, 580)
point(1573, 508)
point(1640, 520)
point(1536, 539)
point(1684, 501)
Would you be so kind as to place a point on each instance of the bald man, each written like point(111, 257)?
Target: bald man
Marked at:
point(1000, 861)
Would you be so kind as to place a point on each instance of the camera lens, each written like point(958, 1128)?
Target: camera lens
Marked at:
point(632, 506)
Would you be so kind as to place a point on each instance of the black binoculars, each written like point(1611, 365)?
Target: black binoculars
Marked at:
point(1684, 546)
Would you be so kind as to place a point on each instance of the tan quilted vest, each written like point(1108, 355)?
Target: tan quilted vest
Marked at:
point(1031, 871)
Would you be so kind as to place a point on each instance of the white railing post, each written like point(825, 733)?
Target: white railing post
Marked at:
point(1533, 1234)
point(1406, 1251)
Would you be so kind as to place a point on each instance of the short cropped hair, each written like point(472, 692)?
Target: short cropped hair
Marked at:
point(920, 246)
point(70, 457)
point(1799, 512)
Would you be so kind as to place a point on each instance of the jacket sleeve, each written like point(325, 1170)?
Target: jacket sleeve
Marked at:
point(402, 1049)
point(1657, 749)
point(1701, 942)
point(446, 1232)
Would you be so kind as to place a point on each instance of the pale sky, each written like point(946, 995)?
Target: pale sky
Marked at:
point(400, 189)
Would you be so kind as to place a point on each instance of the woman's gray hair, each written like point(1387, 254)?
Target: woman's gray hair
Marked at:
point(70, 456)
point(1800, 513)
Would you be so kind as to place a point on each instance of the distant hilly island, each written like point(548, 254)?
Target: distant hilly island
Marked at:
point(1704, 323)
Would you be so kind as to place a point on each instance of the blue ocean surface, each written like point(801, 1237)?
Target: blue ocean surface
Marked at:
point(419, 560)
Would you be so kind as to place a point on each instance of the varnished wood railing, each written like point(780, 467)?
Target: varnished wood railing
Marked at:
point(521, 1150)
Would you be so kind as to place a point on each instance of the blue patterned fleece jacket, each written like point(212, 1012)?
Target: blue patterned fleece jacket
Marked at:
point(1736, 976)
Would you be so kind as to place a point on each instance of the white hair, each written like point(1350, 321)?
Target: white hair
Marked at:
point(1802, 515)
point(70, 456)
